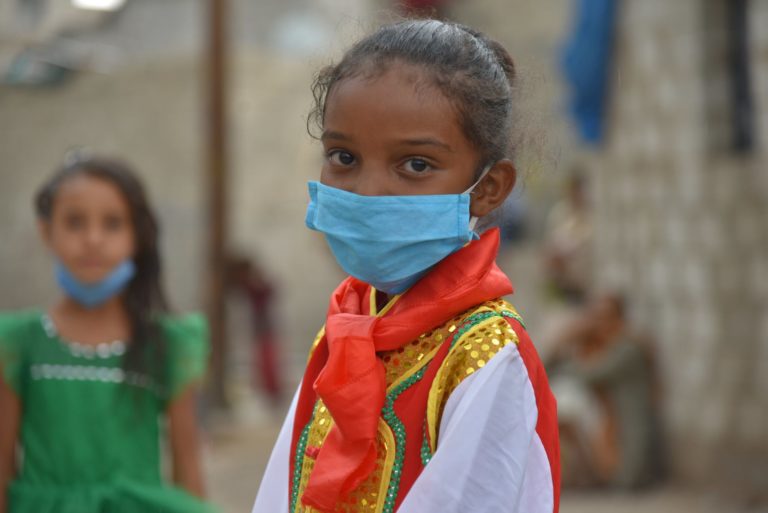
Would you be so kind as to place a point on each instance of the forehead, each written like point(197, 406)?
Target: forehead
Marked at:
point(88, 191)
point(398, 99)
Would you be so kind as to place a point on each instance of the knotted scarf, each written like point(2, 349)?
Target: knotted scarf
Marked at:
point(352, 383)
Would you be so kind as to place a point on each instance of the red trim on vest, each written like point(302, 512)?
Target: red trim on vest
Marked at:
point(305, 405)
point(546, 425)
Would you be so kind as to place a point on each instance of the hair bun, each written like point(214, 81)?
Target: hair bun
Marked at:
point(499, 52)
point(504, 59)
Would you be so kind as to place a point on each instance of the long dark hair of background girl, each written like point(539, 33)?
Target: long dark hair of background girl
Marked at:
point(143, 298)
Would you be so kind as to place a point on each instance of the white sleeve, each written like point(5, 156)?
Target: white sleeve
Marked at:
point(273, 492)
point(489, 458)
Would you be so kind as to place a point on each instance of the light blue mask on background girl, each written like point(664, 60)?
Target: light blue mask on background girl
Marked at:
point(94, 294)
point(390, 242)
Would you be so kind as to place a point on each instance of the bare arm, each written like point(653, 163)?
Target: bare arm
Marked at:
point(10, 406)
point(184, 442)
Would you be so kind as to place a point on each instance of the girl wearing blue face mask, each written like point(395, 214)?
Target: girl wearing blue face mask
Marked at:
point(423, 392)
point(84, 383)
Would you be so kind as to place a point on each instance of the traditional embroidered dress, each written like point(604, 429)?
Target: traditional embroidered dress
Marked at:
point(437, 402)
point(89, 433)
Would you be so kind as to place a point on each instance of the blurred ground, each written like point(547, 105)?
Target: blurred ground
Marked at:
point(665, 500)
point(237, 456)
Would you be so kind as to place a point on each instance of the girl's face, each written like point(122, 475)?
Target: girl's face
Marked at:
point(90, 230)
point(394, 134)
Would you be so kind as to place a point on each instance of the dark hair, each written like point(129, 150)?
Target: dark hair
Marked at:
point(474, 72)
point(143, 298)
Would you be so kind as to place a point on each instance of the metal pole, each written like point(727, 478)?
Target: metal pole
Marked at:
point(216, 81)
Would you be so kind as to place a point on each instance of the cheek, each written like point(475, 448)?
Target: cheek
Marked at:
point(61, 243)
point(331, 179)
point(65, 251)
point(119, 245)
point(127, 246)
point(324, 174)
point(461, 179)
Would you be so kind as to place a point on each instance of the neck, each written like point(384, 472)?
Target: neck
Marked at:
point(382, 298)
point(105, 322)
point(112, 310)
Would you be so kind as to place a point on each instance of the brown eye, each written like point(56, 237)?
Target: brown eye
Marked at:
point(341, 158)
point(74, 221)
point(113, 223)
point(417, 165)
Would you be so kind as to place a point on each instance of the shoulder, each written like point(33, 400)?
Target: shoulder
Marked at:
point(186, 338)
point(183, 327)
point(17, 330)
point(477, 336)
point(185, 335)
point(16, 324)
point(481, 334)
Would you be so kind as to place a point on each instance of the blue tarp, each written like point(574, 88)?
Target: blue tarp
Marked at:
point(586, 64)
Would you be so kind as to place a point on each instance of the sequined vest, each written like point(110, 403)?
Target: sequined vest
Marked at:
point(420, 378)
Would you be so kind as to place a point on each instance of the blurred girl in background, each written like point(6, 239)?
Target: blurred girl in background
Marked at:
point(85, 384)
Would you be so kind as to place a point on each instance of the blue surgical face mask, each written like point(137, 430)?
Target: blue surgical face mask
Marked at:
point(94, 294)
point(390, 242)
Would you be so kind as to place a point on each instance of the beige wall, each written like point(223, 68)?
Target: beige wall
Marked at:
point(681, 226)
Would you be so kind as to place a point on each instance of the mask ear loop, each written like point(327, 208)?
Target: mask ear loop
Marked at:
point(473, 219)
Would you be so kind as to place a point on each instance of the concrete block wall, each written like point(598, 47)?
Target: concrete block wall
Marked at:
point(681, 226)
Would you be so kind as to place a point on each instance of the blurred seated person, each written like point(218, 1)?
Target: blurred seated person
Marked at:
point(603, 377)
point(568, 245)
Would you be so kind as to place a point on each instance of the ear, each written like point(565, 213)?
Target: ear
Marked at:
point(494, 188)
point(44, 229)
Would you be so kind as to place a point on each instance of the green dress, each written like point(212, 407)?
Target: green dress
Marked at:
point(90, 431)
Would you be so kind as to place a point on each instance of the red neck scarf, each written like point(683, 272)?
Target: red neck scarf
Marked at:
point(352, 383)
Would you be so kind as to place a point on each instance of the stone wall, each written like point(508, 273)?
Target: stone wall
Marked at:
point(681, 227)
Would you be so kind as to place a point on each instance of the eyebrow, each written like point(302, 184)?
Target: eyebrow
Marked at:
point(334, 135)
point(427, 141)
